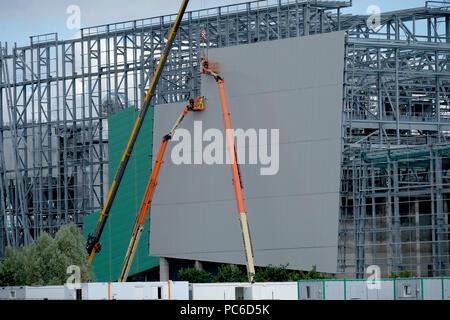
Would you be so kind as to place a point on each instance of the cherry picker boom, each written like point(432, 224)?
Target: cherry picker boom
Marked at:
point(211, 69)
point(194, 105)
point(93, 244)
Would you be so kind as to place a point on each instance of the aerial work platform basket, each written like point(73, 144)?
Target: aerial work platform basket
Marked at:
point(197, 104)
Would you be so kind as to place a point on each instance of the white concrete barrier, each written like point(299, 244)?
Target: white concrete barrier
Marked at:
point(32, 293)
point(220, 291)
point(388, 289)
point(274, 291)
point(129, 291)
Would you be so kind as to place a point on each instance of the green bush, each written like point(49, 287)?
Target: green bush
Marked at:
point(46, 262)
point(404, 274)
point(193, 275)
point(230, 273)
point(272, 274)
point(313, 274)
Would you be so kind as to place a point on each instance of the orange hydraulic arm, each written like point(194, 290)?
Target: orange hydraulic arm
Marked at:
point(211, 69)
point(195, 105)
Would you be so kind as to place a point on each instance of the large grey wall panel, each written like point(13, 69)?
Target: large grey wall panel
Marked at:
point(294, 85)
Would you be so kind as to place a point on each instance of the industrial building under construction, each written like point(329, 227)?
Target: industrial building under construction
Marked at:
point(362, 112)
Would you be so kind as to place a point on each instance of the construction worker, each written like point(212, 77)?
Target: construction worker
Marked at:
point(191, 105)
point(200, 103)
point(205, 65)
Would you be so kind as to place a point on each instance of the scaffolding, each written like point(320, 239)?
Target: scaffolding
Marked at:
point(56, 95)
point(394, 210)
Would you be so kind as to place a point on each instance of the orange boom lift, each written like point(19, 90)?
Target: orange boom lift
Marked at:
point(196, 104)
point(211, 69)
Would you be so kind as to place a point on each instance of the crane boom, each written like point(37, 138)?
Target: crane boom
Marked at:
point(211, 69)
point(93, 243)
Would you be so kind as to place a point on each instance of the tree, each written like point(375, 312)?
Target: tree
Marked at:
point(70, 250)
point(46, 262)
point(46, 247)
point(7, 269)
point(194, 275)
point(33, 266)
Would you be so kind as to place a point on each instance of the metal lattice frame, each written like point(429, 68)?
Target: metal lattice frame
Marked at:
point(394, 211)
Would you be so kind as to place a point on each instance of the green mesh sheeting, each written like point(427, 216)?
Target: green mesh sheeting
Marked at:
point(117, 233)
point(413, 157)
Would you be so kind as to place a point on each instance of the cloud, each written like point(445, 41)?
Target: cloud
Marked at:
point(95, 12)
point(31, 9)
point(20, 19)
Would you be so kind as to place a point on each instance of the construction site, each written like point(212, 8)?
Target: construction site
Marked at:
point(350, 122)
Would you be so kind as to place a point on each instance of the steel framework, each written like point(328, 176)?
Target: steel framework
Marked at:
point(55, 97)
point(394, 211)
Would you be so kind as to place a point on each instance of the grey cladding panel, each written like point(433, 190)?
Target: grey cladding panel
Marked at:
point(294, 85)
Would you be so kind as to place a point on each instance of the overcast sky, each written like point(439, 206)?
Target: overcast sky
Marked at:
point(20, 19)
